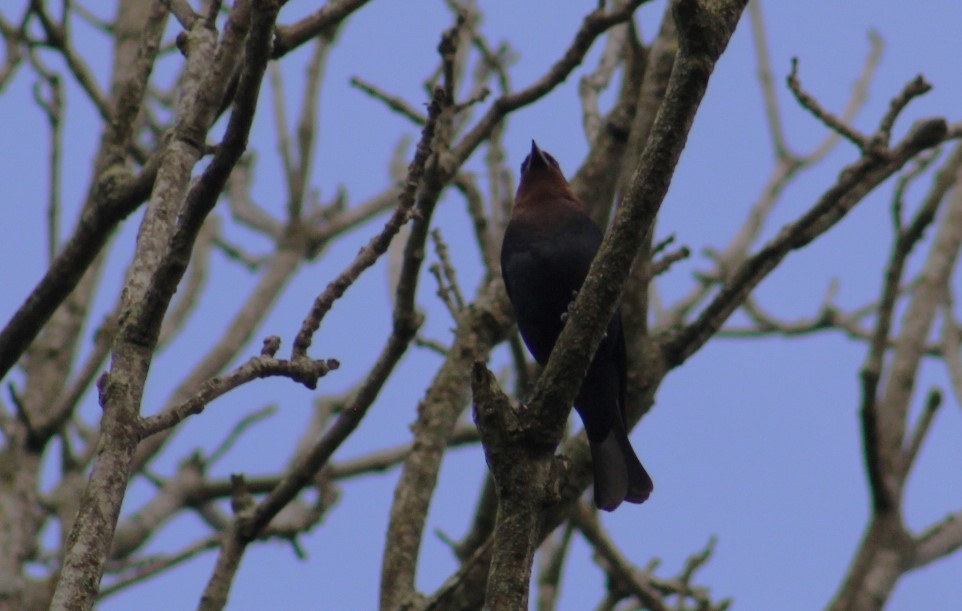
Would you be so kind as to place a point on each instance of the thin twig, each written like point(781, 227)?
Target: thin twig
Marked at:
point(663, 264)
point(594, 24)
point(916, 87)
point(766, 77)
point(306, 371)
point(146, 568)
point(53, 107)
point(379, 243)
point(237, 430)
point(853, 184)
point(395, 103)
point(834, 123)
point(922, 429)
point(333, 13)
point(627, 575)
point(448, 288)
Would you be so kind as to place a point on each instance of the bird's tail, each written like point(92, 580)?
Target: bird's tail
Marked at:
point(619, 475)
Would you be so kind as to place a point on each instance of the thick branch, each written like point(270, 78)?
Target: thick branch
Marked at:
point(247, 525)
point(703, 35)
point(115, 194)
point(158, 265)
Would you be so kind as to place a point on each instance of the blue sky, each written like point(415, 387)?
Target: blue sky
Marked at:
point(754, 441)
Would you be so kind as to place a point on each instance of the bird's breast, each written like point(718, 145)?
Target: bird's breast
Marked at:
point(544, 266)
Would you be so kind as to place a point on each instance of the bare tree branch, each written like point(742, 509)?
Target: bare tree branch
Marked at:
point(88, 498)
point(113, 196)
point(156, 274)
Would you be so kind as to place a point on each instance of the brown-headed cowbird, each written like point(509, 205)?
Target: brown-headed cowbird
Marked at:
point(548, 247)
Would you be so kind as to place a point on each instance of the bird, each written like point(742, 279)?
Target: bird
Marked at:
point(548, 246)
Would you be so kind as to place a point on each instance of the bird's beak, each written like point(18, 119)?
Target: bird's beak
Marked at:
point(537, 153)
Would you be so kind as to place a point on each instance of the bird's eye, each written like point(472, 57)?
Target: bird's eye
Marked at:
point(552, 160)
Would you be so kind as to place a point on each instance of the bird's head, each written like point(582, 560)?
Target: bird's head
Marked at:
point(541, 177)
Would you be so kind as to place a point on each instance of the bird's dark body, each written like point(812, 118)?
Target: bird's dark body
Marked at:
point(544, 262)
point(548, 246)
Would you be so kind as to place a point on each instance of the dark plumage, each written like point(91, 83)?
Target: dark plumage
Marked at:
point(548, 247)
